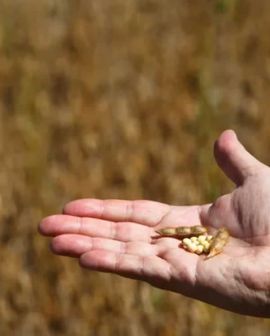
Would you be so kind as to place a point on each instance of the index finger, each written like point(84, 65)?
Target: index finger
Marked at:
point(123, 231)
point(144, 212)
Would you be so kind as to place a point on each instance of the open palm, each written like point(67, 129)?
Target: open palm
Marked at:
point(120, 237)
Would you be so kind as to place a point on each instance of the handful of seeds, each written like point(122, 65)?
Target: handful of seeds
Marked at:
point(197, 245)
point(195, 239)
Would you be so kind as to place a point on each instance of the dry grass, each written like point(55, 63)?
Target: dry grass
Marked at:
point(119, 99)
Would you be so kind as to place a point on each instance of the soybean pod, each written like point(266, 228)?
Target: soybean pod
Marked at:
point(219, 241)
point(182, 231)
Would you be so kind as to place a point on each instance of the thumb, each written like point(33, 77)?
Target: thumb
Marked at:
point(236, 162)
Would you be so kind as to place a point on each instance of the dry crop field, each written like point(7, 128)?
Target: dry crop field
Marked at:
point(119, 99)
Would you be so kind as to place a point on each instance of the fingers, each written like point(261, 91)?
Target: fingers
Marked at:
point(145, 212)
point(148, 268)
point(76, 245)
point(236, 162)
point(133, 259)
point(61, 224)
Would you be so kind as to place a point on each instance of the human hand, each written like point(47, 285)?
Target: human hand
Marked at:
point(119, 237)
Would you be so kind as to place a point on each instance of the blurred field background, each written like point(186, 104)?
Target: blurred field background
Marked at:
point(119, 99)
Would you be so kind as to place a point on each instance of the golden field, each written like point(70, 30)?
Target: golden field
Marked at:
point(119, 99)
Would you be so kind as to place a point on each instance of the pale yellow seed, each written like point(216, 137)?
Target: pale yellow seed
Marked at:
point(206, 247)
point(186, 241)
point(187, 245)
point(192, 248)
point(194, 239)
point(199, 249)
point(205, 244)
point(202, 238)
point(209, 238)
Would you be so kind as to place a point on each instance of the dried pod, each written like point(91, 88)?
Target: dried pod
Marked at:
point(183, 231)
point(219, 241)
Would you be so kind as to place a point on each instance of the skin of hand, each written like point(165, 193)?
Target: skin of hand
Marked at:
point(119, 237)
